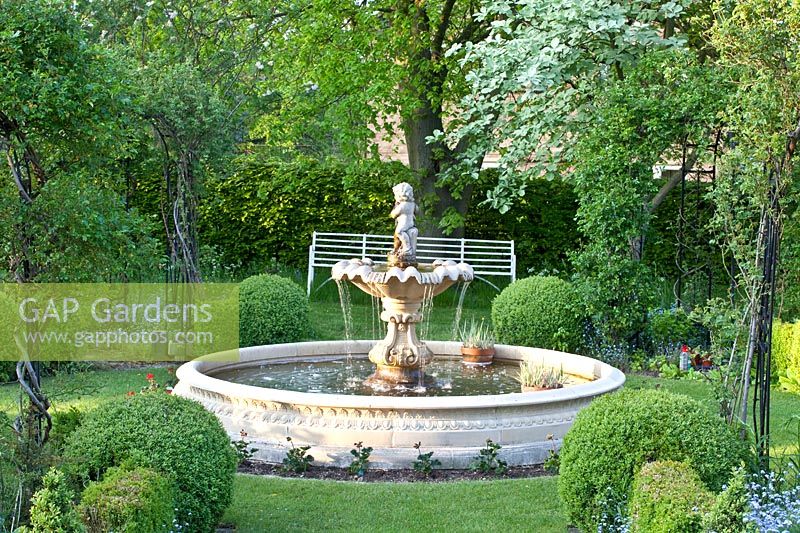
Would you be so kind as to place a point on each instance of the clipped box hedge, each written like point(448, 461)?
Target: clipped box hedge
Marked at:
point(618, 433)
point(541, 312)
point(138, 500)
point(174, 436)
point(272, 310)
point(668, 497)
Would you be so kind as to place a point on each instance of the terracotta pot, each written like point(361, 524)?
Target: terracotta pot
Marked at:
point(538, 389)
point(707, 364)
point(477, 356)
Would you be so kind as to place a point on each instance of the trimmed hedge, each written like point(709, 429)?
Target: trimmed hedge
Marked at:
point(785, 348)
point(272, 310)
point(129, 501)
point(540, 311)
point(612, 438)
point(172, 435)
point(541, 223)
point(268, 208)
point(668, 497)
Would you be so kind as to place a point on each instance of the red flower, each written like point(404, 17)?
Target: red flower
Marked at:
point(131, 393)
point(150, 377)
point(684, 348)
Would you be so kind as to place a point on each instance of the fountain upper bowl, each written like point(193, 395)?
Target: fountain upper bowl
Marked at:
point(413, 283)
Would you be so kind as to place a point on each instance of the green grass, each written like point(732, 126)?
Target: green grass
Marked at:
point(275, 504)
point(85, 390)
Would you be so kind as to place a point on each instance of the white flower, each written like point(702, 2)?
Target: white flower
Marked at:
point(172, 14)
point(259, 65)
point(150, 3)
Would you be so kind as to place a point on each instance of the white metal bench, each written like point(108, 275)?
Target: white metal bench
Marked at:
point(488, 258)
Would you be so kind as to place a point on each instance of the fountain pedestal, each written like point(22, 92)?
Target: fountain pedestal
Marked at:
point(400, 356)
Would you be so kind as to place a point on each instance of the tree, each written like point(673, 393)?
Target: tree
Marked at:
point(62, 134)
point(535, 77)
point(195, 66)
point(366, 63)
point(61, 215)
point(664, 103)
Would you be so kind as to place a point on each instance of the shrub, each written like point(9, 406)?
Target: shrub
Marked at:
point(668, 497)
point(52, 510)
point(539, 311)
point(789, 286)
point(424, 464)
point(272, 310)
point(64, 424)
point(613, 437)
point(668, 329)
point(139, 500)
point(541, 223)
point(297, 460)
point(8, 371)
point(785, 349)
point(488, 459)
point(728, 510)
point(169, 434)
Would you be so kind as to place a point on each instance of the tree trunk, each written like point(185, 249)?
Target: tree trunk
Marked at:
point(184, 217)
point(425, 86)
point(637, 243)
point(33, 424)
point(179, 208)
point(426, 160)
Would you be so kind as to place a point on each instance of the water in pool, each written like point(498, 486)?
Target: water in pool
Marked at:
point(445, 377)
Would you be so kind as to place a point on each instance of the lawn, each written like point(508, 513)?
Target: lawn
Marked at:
point(275, 504)
point(263, 503)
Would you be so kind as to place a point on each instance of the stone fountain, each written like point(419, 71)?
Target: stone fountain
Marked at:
point(248, 396)
point(402, 285)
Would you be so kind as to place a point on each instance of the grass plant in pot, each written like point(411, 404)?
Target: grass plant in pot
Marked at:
point(477, 344)
point(538, 377)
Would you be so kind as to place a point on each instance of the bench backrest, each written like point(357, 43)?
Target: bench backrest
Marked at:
point(487, 257)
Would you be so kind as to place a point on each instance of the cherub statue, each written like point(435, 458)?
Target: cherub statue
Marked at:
point(405, 231)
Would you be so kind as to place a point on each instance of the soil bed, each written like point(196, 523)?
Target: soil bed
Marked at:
point(407, 475)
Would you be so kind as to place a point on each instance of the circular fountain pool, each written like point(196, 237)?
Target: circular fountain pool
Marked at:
point(453, 426)
point(445, 376)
